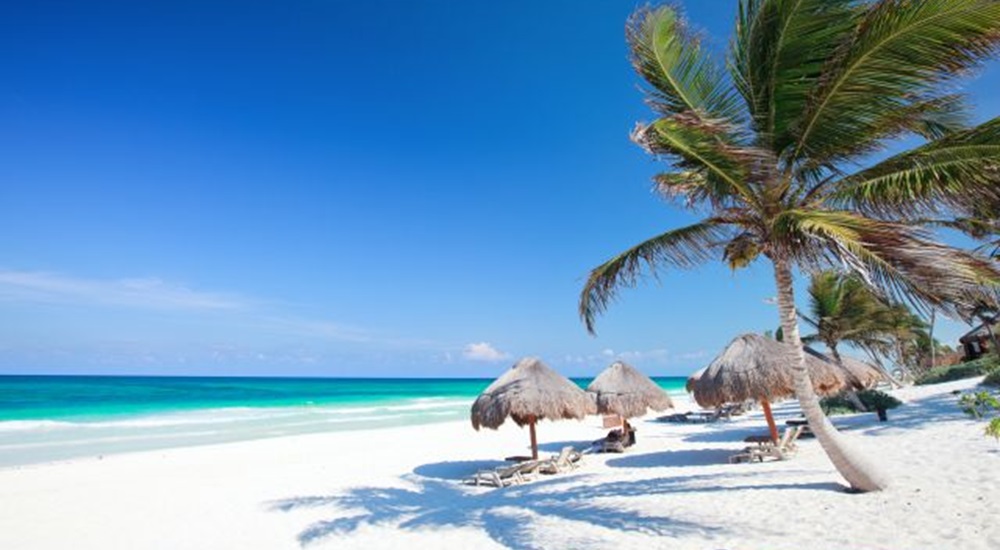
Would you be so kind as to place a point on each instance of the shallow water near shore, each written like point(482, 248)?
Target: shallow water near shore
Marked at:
point(47, 418)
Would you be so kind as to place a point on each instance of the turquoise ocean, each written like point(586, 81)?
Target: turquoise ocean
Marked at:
point(49, 418)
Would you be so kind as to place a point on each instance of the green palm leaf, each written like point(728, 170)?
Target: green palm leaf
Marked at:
point(780, 48)
point(903, 51)
point(694, 145)
point(681, 248)
point(898, 260)
point(958, 170)
point(683, 78)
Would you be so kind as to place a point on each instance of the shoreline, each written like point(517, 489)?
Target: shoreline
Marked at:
point(400, 486)
point(63, 418)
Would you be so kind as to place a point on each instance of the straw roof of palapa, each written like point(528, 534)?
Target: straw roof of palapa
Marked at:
point(530, 391)
point(689, 386)
point(621, 389)
point(859, 374)
point(756, 368)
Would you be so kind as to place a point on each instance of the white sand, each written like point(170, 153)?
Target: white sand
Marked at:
point(399, 488)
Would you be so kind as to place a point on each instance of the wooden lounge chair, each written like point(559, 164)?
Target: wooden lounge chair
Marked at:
point(565, 461)
point(765, 448)
point(506, 475)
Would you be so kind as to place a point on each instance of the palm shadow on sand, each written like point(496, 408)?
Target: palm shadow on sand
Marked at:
point(433, 499)
point(674, 459)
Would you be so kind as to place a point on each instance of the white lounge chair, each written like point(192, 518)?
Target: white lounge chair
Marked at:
point(781, 450)
point(506, 475)
point(565, 461)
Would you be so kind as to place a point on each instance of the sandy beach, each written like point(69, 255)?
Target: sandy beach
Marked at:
point(401, 488)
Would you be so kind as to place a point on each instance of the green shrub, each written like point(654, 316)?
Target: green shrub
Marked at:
point(875, 399)
point(836, 404)
point(979, 404)
point(970, 369)
point(993, 378)
point(993, 428)
point(871, 399)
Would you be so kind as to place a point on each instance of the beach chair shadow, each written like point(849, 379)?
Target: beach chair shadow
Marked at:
point(672, 459)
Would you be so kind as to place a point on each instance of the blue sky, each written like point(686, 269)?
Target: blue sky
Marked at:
point(335, 188)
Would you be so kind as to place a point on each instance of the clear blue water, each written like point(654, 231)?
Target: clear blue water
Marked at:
point(46, 418)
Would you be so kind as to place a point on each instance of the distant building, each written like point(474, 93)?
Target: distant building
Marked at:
point(978, 341)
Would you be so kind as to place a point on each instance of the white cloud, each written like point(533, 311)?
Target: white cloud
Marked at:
point(692, 355)
point(147, 293)
point(483, 351)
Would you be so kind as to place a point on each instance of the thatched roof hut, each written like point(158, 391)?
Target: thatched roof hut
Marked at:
point(621, 389)
point(860, 375)
point(756, 368)
point(689, 386)
point(527, 393)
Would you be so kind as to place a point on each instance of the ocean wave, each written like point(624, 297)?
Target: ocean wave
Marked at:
point(271, 417)
point(25, 425)
point(415, 405)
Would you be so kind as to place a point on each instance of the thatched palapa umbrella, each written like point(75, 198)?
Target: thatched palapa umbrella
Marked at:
point(622, 390)
point(860, 375)
point(756, 368)
point(527, 393)
point(689, 386)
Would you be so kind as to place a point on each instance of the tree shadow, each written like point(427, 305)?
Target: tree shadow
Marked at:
point(432, 499)
point(674, 459)
point(910, 415)
point(456, 470)
point(724, 434)
point(503, 514)
point(557, 446)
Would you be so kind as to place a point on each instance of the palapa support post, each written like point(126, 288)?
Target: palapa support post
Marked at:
point(770, 420)
point(534, 439)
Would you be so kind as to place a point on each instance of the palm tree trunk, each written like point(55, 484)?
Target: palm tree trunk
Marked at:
point(860, 474)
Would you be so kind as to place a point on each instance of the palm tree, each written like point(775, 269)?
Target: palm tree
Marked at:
point(769, 152)
point(909, 340)
point(842, 308)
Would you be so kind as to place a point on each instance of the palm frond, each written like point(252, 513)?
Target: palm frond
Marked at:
point(957, 171)
point(897, 260)
point(681, 248)
point(723, 171)
point(779, 52)
point(902, 52)
point(682, 75)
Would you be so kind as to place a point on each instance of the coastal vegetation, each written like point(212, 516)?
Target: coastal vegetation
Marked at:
point(768, 152)
point(983, 405)
point(968, 369)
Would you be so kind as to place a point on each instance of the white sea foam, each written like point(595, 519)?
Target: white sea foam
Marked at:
point(26, 425)
point(32, 441)
point(98, 441)
point(232, 415)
